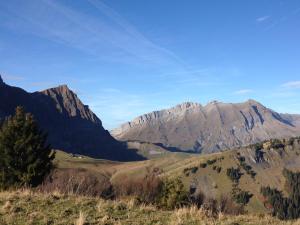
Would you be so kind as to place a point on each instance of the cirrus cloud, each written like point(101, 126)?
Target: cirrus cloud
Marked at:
point(292, 84)
point(243, 91)
point(262, 19)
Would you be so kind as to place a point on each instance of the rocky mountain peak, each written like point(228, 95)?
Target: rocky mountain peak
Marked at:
point(63, 89)
point(183, 107)
point(187, 105)
point(214, 102)
point(253, 102)
point(67, 102)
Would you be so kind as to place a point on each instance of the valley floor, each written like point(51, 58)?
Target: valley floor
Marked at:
point(25, 207)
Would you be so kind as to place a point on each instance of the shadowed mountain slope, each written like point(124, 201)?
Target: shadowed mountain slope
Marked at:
point(71, 125)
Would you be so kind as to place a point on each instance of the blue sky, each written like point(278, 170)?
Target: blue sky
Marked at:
point(126, 58)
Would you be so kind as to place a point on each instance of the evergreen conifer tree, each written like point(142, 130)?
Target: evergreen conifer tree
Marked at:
point(25, 158)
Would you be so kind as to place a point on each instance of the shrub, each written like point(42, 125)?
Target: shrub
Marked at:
point(197, 198)
point(225, 205)
point(229, 207)
point(219, 169)
point(274, 200)
point(234, 174)
point(241, 159)
point(211, 205)
point(285, 208)
point(146, 189)
point(173, 195)
point(25, 158)
point(187, 171)
point(246, 167)
point(211, 162)
point(259, 156)
point(258, 146)
point(194, 170)
point(276, 144)
point(203, 165)
point(291, 141)
point(242, 197)
point(252, 174)
point(78, 182)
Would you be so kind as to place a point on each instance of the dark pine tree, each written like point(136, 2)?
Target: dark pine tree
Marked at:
point(25, 157)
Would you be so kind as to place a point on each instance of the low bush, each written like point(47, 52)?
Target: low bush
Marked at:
point(173, 195)
point(77, 182)
point(248, 169)
point(217, 169)
point(193, 170)
point(259, 156)
point(234, 174)
point(241, 159)
point(284, 207)
point(211, 162)
point(258, 146)
point(211, 205)
point(276, 144)
point(224, 205)
point(242, 197)
point(145, 189)
point(203, 165)
point(197, 198)
point(229, 207)
point(291, 141)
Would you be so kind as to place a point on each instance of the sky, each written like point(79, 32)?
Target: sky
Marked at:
point(127, 58)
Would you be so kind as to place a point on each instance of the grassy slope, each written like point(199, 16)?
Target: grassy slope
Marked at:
point(24, 207)
point(211, 183)
point(28, 208)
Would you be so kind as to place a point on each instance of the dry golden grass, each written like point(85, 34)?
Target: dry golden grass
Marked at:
point(35, 208)
point(81, 219)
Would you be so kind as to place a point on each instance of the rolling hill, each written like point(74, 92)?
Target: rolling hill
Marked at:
point(260, 165)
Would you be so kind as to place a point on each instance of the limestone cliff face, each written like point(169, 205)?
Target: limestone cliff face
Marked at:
point(211, 128)
point(71, 125)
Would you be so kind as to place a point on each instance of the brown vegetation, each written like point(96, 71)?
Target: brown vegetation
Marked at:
point(77, 182)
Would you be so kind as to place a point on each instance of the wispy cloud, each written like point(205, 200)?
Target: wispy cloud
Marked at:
point(115, 106)
point(8, 77)
point(243, 91)
point(292, 85)
point(262, 19)
point(104, 34)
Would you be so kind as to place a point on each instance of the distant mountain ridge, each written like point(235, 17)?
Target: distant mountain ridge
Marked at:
point(71, 125)
point(211, 128)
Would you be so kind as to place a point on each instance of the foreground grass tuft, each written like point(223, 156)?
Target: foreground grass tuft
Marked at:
point(26, 207)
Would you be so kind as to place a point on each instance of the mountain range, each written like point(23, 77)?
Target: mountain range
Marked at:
point(211, 128)
point(71, 126)
point(188, 127)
